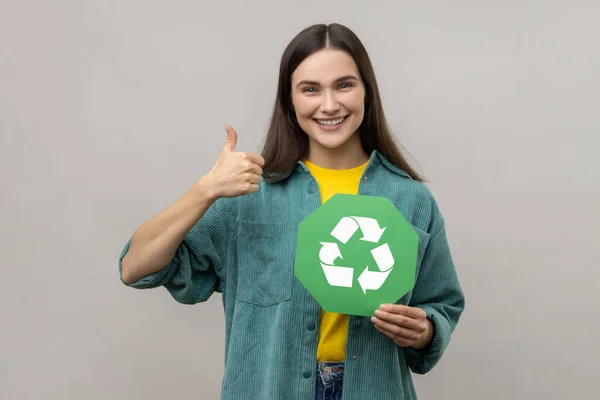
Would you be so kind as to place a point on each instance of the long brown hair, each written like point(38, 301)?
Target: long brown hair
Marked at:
point(286, 142)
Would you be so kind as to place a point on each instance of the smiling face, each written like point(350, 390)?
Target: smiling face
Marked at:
point(328, 96)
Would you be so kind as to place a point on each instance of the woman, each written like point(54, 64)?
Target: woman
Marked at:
point(235, 232)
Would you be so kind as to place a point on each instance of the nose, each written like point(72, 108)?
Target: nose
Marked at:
point(330, 102)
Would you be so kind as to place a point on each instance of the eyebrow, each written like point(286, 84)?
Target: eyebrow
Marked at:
point(343, 78)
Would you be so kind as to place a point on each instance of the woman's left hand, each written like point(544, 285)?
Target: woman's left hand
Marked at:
point(406, 326)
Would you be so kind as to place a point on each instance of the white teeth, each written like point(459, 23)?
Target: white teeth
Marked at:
point(330, 122)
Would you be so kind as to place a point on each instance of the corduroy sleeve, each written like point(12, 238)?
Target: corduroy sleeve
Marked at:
point(198, 267)
point(438, 292)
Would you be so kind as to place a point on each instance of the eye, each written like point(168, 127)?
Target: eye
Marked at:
point(346, 85)
point(308, 90)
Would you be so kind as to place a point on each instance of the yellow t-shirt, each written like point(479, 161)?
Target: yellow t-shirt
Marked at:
point(333, 332)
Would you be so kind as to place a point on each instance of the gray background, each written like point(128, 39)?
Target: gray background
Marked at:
point(110, 110)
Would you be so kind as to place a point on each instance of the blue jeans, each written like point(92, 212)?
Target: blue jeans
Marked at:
point(330, 377)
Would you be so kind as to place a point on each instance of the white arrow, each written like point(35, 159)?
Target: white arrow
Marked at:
point(370, 229)
point(372, 280)
point(383, 257)
point(344, 230)
point(338, 276)
point(329, 252)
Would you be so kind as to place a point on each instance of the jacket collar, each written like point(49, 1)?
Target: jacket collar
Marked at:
point(375, 160)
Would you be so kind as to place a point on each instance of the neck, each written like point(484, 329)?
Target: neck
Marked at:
point(349, 155)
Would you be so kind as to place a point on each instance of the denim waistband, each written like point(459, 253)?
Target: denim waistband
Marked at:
point(330, 371)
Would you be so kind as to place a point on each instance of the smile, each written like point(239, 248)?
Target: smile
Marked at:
point(330, 122)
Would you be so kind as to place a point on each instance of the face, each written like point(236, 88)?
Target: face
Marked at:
point(328, 96)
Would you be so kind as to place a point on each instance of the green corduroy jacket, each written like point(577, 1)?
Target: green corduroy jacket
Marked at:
point(244, 248)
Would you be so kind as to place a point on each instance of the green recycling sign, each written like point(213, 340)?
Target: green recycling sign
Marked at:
point(355, 253)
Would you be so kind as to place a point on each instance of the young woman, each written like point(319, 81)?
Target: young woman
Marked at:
point(235, 232)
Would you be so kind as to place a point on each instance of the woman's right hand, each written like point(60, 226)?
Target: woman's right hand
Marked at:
point(234, 173)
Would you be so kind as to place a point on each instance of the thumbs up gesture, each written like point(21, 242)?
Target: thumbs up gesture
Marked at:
point(235, 173)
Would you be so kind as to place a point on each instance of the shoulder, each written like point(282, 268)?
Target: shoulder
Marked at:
point(414, 199)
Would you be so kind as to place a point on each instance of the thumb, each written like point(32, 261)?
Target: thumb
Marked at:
point(231, 139)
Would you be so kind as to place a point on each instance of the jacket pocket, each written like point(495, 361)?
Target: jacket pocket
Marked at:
point(265, 253)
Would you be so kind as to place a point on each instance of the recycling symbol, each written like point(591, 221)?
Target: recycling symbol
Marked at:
point(344, 276)
point(355, 253)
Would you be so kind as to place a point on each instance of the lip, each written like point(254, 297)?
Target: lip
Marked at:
point(335, 128)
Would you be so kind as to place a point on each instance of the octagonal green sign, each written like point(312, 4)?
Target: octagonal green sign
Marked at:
point(355, 253)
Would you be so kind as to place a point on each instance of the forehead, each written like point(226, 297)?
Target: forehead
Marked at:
point(325, 66)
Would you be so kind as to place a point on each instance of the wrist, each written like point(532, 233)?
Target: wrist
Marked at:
point(427, 336)
point(204, 191)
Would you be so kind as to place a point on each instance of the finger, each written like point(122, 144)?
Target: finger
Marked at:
point(254, 178)
point(253, 159)
point(248, 167)
point(231, 139)
point(398, 331)
point(400, 320)
point(398, 340)
point(253, 187)
point(257, 159)
point(411, 312)
point(255, 169)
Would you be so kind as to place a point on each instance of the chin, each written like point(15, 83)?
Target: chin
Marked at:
point(331, 143)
